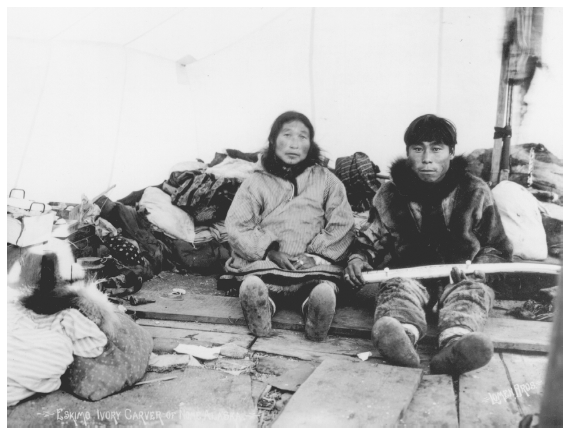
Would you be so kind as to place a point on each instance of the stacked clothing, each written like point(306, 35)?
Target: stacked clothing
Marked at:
point(185, 215)
point(70, 335)
point(203, 196)
point(216, 231)
point(41, 347)
point(359, 176)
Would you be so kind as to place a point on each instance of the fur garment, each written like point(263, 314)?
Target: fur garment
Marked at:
point(472, 227)
point(53, 293)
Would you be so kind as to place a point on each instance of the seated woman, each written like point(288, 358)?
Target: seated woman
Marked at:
point(288, 225)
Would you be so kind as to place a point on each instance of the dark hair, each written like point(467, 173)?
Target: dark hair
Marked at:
point(314, 154)
point(431, 128)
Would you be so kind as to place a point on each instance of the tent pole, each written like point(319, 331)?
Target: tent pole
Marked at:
point(506, 151)
point(501, 109)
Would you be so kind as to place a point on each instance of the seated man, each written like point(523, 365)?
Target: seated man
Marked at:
point(432, 212)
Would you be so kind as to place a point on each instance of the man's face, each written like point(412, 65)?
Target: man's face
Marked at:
point(430, 160)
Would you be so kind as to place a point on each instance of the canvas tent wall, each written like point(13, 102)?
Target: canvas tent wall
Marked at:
point(119, 95)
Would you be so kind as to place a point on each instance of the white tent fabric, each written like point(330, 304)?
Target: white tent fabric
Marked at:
point(102, 96)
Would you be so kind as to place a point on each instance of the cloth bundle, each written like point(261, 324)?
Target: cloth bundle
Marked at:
point(522, 221)
point(358, 174)
point(169, 218)
point(122, 363)
point(203, 196)
point(41, 347)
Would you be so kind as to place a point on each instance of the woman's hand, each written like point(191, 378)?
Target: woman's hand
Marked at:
point(303, 262)
point(353, 272)
point(281, 259)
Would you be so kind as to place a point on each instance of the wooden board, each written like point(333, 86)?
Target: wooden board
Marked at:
point(486, 399)
point(196, 398)
point(514, 334)
point(215, 338)
point(287, 375)
point(195, 326)
point(164, 282)
point(294, 344)
point(196, 308)
point(527, 374)
point(506, 333)
point(348, 321)
point(279, 366)
point(361, 395)
point(433, 404)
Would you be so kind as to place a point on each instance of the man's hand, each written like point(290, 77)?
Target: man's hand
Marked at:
point(458, 275)
point(281, 259)
point(353, 272)
point(303, 262)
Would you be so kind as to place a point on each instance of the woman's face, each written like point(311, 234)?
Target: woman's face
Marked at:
point(293, 143)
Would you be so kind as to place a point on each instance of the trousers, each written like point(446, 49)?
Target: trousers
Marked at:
point(462, 306)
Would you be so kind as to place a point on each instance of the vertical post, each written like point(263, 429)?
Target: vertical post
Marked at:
point(506, 151)
point(551, 410)
point(501, 104)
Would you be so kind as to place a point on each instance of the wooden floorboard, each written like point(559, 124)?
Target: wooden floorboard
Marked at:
point(195, 326)
point(193, 308)
point(433, 404)
point(294, 344)
point(215, 338)
point(361, 395)
point(513, 334)
point(486, 399)
point(287, 375)
point(506, 333)
point(527, 374)
point(196, 398)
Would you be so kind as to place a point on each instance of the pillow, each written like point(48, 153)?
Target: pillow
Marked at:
point(522, 221)
point(122, 363)
point(169, 218)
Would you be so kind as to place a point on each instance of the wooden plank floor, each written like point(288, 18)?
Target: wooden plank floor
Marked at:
point(196, 398)
point(506, 333)
point(527, 374)
point(498, 395)
point(433, 404)
point(360, 396)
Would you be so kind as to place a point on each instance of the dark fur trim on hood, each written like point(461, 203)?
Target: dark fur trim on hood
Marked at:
point(51, 296)
point(409, 184)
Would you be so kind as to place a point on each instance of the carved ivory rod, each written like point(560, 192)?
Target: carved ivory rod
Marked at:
point(444, 270)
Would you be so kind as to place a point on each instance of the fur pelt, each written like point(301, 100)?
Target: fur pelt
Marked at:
point(52, 295)
point(409, 184)
point(473, 228)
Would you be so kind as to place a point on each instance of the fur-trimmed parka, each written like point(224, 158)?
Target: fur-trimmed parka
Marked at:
point(462, 223)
